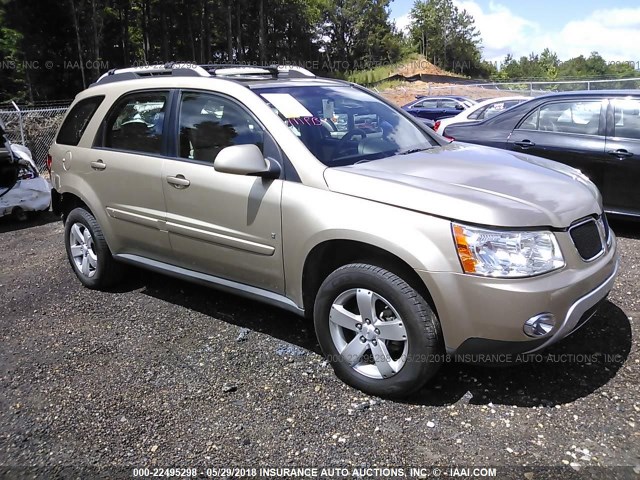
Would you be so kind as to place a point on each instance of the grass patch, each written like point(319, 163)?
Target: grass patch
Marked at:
point(375, 75)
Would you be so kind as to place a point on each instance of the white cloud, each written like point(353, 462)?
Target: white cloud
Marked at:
point(614, 33)
point(501, 30)
point(402, 22)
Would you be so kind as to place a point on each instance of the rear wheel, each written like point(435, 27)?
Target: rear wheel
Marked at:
point(378, 332)
point(88, 252)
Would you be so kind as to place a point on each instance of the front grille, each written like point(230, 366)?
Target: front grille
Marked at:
point(586, 238)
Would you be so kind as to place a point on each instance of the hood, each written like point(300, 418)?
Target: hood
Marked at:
point(474, 184)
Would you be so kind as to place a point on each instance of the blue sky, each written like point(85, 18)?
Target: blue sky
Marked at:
point(569, 28)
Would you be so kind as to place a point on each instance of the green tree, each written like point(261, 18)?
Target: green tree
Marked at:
point(358, 34)
point(550, 63)
point(446, 35)
point(12, 74)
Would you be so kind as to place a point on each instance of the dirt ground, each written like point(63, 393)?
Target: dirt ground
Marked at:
point(407, 92)
point(160, 373)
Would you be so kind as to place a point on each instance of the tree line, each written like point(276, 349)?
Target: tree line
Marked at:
point(51, 50)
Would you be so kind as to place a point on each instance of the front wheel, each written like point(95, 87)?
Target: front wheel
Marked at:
point(377, 331)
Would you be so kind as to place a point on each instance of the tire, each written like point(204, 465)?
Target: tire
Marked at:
point(88, 252)
point(393, 355)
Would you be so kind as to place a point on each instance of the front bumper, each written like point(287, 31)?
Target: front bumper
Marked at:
point(487, 315)
point(581, 311)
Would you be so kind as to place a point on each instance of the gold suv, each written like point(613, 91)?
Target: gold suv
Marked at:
point(320, 197)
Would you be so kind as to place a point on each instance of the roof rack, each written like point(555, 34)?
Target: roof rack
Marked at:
point(233, 71)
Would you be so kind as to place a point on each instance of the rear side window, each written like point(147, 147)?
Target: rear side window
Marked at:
point(77, 120)
point(136, 122)
point(627, 119)
point(427, 104)
point(447, 103)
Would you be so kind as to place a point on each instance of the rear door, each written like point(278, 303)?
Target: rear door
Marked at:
point(124, 168)
point(219, 223)
point(567, 131)
point(622, 174)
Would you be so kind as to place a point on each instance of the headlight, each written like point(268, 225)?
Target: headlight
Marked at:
point(495, 253)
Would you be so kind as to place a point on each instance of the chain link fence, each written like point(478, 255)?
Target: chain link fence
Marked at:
point(532, 89)
point(33, 127)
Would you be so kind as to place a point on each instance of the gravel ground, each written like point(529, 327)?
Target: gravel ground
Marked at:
point(165, 373)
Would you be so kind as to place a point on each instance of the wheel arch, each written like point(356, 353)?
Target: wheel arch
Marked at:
point(329, 255)
point(71, 198)
point(69, 201)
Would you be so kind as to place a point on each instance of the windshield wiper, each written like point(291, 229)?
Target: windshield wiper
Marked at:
point(413, 150)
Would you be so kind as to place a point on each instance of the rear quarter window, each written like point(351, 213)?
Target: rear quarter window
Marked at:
point(627, 119)
point(77, 120)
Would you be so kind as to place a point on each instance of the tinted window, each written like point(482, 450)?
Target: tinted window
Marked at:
point(581, 117)
point(136, 122)
point(627, 118)
point(209, 123)
point(77, 120)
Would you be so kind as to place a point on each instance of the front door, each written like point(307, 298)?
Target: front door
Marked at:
point(221, 224)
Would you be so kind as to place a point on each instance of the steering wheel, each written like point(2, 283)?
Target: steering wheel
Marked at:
point(342, 143)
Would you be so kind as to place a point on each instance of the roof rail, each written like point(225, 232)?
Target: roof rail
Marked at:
point(183, 69)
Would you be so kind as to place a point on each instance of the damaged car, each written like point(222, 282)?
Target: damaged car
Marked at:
point(22, 188)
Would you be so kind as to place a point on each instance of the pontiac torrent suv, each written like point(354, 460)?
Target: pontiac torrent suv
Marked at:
point(320, 197)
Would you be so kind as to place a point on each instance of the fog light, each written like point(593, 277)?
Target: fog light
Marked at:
point(540, 325)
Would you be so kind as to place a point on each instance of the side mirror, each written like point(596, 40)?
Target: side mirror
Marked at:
point(459, 107)
point(246, 160)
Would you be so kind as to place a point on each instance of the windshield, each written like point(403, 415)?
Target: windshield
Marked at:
point(342, 125)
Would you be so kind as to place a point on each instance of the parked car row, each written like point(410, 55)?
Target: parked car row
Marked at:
point(435, 108)
point(440, 111)
point(480, 111)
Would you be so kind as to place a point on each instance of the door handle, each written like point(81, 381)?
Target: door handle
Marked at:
point(525, 144)
point(178, 181)
point(99, 165)
point(620, 153)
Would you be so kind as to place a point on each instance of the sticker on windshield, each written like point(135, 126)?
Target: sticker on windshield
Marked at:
point(287, 105)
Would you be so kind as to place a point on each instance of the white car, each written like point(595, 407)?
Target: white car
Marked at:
point(480, 111)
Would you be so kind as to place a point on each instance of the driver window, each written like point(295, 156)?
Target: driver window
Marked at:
point(209, 123)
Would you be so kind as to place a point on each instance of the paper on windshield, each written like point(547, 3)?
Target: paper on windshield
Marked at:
point(287, 105)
